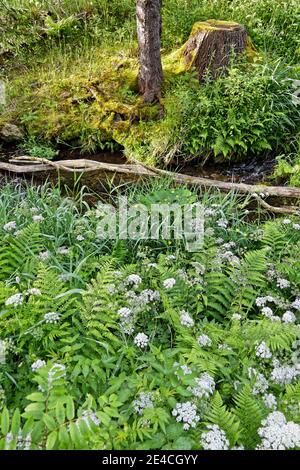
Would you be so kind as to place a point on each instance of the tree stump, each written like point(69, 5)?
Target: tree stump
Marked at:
point(210, 47)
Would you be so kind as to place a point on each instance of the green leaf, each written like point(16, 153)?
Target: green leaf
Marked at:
point(60, 412)
point(5, 421)
point(51, 440)
point(70, 409)
point(49, 422)
point(15, 422)
point(37, 396)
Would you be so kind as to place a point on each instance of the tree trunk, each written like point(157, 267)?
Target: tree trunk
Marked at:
point(149, 40)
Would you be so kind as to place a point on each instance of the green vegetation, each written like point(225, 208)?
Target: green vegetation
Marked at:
point(98, 350)
point(71, 70)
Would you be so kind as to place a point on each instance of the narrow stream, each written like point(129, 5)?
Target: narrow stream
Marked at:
point(251, 172)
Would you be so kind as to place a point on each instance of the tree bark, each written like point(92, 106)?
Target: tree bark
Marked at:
point(211, 45)
point(149, 40)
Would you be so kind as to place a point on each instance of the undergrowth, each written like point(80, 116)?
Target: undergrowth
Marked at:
point(140, 344)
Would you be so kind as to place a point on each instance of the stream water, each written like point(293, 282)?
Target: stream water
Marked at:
point(252, 171)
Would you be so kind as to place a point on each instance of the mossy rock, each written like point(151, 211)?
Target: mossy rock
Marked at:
point(210, 47)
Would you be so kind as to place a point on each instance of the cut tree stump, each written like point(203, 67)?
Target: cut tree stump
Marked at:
point(210, 47)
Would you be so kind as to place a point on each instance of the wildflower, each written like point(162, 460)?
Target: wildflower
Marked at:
point(222, 223)
point(286, 221)
point(44, 255)
point(89, 416)
point(186, 413)
point(52, 317)
point(124, 312)
point(34, 210)
point(134, 280)
point(63, 250)
point(261, 384)
point(15, 300)
point(3, 348)
point(296, 304)
point(37, 365)
point(267, 312)
point(283, 283)
point(205, 386)
point(263, 351)
point(261, 301)
point(170, 258)
point(141, 340)
point(278, 434)
point(283, 374)
point(296, 226)
point(288, 317)
point(10, 226)
point(17, 280)
point(144, 401)
point(186, 319)
point(37, 218)
point(270, 400)
point(236, 317)
point(214, 439)
point(204, 340)
point(34, 291)
point(80, 238)
point(169, 283)
point(127, 326)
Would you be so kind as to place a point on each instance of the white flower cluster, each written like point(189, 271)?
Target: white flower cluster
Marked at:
point(10, 226)
point(37, 365)
point(88, 416)
point(144, 400)
point(186, 413)
point(214, 439)
point(3, 348)
point(263, 351)
point(288, 317)
point(133, 280)
point(37, 218)
point(222, 223)
point(283, 283)
point(261, 384)
point(138, 301)
point(15, 300)
point(204, 340)
point(279, 434)
point(205, 386)
point(169, 283)
point(141, 340)
point(283, 374)
point(296, 304)
point(52, 317)
point(124, 312)
point(270, 400)
point(34, 291)
point(44, 255)
point(63, 250)
point(186, 319)
point(236, 317)
point(184, 368)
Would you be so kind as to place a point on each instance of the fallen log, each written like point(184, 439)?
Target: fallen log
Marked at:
point(26, 164)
